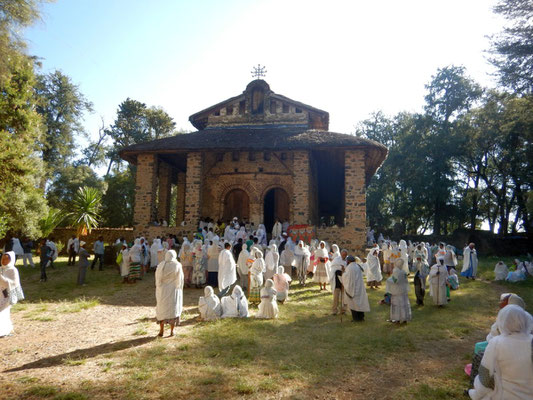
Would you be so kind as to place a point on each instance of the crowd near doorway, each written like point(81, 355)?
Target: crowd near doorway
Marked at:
point(276, 207)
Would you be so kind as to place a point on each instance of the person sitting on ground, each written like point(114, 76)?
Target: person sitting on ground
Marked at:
point(500, 271)
point(519, 274)
point(506, 370)
point(268, 308)
point(209, 305)
point(282, 283)
point(235, 305)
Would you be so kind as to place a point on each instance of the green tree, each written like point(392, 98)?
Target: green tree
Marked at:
point(21, 202)
point(117, 202)
point(61, 105)
point(513, 48)
point(68, 180)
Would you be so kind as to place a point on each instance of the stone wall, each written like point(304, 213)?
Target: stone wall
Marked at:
point(145, 190)
point(237, 171)
point(344, 237)
point(354, 230)
point(193, 189)
point(301, 195)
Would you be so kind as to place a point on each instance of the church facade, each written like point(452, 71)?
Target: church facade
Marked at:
point(258, 156)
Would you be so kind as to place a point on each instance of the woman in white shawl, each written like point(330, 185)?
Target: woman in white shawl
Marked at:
point(156, 246)
point(321, 275)
point(373, 271)
point(135, 257)
point(257, 270)
point(500, 271)
point(404, 254)
point(271, 261)
point(235, 305)
point(169, 292)
point(334, 253)
point(469, 262)
point(209, 305)
point(302, 258)
point(286, 259)
point(261, 235)
point(10, 291)
point(125, 263)
point(242, 267)
point(199, 267)
point(398, 287)
point(268, 308)
point(354, 289)
point(506, 370)
point(282, 284)
point(186, 258)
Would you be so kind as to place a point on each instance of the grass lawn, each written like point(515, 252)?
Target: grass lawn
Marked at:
point(306, 353)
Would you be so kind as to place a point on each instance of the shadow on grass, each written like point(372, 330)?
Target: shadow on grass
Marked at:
point(83, 354)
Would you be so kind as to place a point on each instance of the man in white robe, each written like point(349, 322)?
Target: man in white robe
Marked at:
point(373, 272)
point(242, 267)
point(227, 272)
point(354, 290)
point(438, 278)
point(169, 292)
point(469, 262)
point(277, 230)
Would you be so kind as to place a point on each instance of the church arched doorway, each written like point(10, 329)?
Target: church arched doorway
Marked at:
point(276, 206)
point(236, 204)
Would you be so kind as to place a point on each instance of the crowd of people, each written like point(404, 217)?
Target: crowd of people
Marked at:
point(248, 270)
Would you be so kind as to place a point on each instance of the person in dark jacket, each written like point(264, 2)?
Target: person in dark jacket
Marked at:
point(46, 258)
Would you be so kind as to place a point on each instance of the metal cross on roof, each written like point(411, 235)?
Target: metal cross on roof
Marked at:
point(259, 71)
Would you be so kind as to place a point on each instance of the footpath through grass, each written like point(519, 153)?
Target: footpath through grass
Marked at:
point(305, 353)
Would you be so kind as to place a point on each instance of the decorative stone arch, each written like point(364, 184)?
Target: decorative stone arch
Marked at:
point(271, 207)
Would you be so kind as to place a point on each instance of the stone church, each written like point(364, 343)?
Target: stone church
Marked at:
point(257, 156)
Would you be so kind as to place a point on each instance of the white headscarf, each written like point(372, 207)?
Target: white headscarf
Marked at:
point(512, 319)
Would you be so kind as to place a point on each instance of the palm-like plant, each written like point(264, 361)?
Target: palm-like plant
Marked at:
point(51, 221)
point(86, 209)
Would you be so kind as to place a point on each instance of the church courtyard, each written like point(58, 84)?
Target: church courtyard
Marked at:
point(99, 341)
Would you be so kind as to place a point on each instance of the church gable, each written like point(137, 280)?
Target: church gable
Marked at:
point(260, 106)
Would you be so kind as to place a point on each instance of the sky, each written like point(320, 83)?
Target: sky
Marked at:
point(350, 58)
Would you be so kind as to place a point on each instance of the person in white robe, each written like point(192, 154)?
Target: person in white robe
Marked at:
point(398, 287)
point(213, 251)
point(354, 290)
point(124, 263)
point(209, 305)
point(336, 269)
point(334, 253)
point(506, 370)
point(169, 292)
point(321, 275)
point(261, 235)
point(422, 271)
point(438, 279)
point(277, 230)
point(242, 267)
point(235, 305)
point(50, 243)
point(257, 270)
point(268, 308)
point(373, 271)
point(302, 260)
point(10, 291)
point(519, 274)
point(156, 246)
point(227, 271)
point(469, 270)
point(286, 259)
point(271, 261)
point(199, 264)
point(282, 283)
point(404, 251)
point(241, 234)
